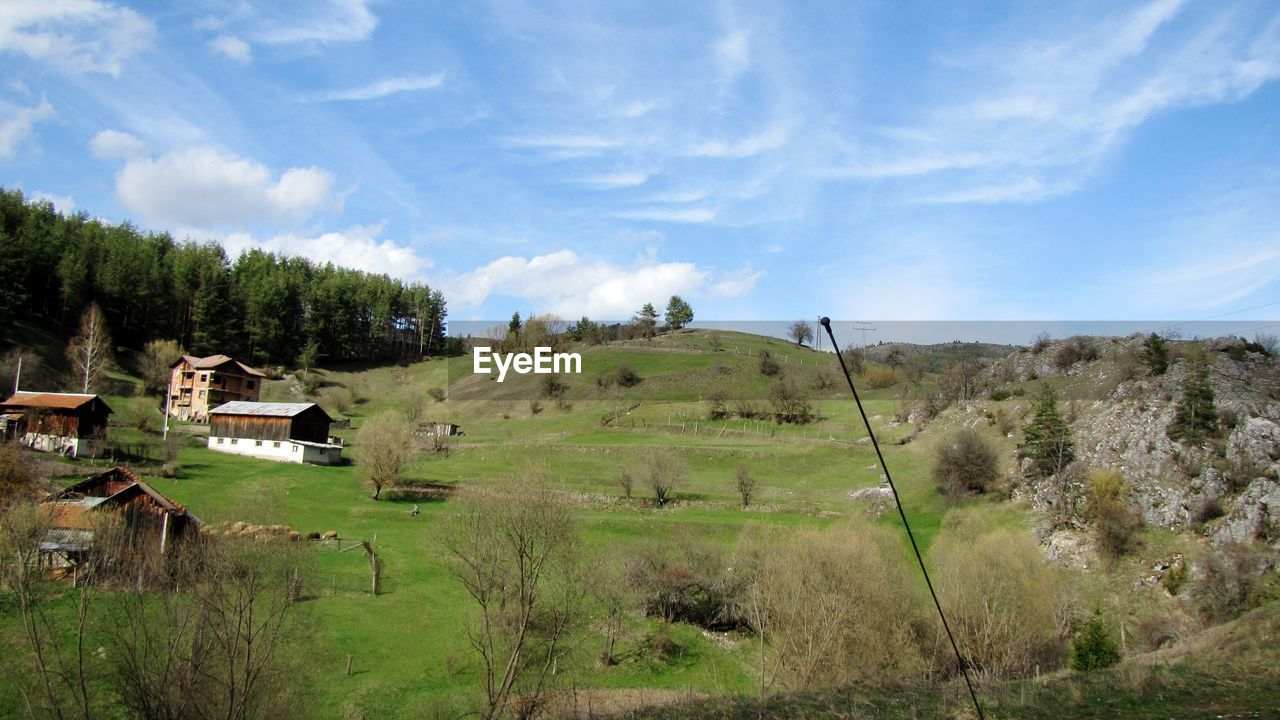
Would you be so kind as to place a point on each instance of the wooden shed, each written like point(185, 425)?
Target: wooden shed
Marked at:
point(153, 522)
point(64, 423)
point(293, 432)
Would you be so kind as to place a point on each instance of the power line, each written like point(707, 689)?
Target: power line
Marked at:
point(826, 323)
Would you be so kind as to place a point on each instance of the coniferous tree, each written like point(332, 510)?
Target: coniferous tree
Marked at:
point(647, 320)
point(1197, 416)
point(1155, 354)
point(1047, 438)
point(679, 313)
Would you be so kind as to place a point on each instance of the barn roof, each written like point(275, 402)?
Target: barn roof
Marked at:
point(262, 409)
point(60, 401)
point(68, 505)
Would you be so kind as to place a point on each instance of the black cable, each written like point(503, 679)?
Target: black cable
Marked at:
point(826, 323)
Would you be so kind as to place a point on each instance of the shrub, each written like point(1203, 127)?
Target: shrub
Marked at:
point(1074, 350)
point(716, 409)
point(1006, 607)
point(1041, 343)
point(1114, 521)
point(682, 581)
point(1174, 578)
point(966, 464)
point(437, 393)
point(1226, 583)
point(789, 404)
point(999, 394)
point(745, 484)
point(626, 482)
point(879, 376)
point(627, 376)
point(1095, 648)
point(769, 366)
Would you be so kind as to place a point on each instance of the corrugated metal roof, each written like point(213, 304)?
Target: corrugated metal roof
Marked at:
point(65, 401)
point(263, 409)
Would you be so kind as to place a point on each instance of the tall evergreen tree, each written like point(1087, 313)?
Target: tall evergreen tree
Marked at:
point(647, 320)
point(679, 313)
point(1155, 354)
point(1197, 416)
point(1047, 438)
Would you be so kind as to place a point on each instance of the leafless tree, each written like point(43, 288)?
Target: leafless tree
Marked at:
point(745, 484)
point(155, 363)
point(18, 480)
point(385, 444)
point(203, 633)
point(90, 350)
point(58, 658)
point(801, 332)
point(515, 551)
point(665, 473)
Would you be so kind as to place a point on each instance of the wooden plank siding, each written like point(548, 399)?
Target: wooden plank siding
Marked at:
point(311, 425)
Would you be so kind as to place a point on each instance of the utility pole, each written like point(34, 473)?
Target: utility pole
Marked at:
point(17, 379)
point(865, 327)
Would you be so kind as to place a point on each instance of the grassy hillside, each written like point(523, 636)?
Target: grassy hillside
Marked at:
point(410, 649)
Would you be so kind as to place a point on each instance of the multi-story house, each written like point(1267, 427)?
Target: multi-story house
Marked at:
point(198, 384)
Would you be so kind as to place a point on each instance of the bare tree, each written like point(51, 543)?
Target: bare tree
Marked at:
point(18, 480)
point(90, 350)
point(202, 633)
point(801, 332)
point(384, 446)
point(58, 658)
point(515, 551)
point(665, 473)
point(155, 363)
point(626, 481)
point(745, 484)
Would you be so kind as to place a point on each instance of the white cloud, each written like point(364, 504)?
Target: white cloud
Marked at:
point(389, 86)
point(357, 247)
point(201, 187)
point(1039, 115)
point(232, 47)
point(608, 181)
point(62, 203)
point(737, 284)
point(751, 146)
point(332, 22)
point(569, 286)
point(674, 215)
point(116, 145)
point(16, 128)
point(567, 146)
point(79, 35)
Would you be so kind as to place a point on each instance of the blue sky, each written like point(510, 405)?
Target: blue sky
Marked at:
point(885, 160)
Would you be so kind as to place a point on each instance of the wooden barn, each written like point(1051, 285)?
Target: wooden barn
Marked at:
point(291, 432)
point(152, 523)
point(65, 423)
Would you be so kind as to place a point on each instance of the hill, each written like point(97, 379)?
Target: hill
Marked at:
point(703, 398)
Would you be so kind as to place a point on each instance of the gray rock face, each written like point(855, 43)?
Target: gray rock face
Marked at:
point(1124, 425)
point(1255, 515)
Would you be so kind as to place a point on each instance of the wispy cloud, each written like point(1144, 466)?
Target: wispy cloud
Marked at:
point(670, 215)
point(232, 47)
point(20, 124)
point(334, 21)
point(610, 181)
point(385, 87)
point(79, 35)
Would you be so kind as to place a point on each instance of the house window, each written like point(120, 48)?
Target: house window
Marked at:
point(204, 377)
point(276, 444)
point(257, 443)
point(295, 448)
point(220, 440)
point(233, 441)
point(249, 384)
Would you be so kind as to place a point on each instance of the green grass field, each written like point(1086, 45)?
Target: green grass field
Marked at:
point(411, 655)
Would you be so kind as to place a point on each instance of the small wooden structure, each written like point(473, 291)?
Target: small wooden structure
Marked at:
point(153, 522)
point(439, 429)
point(65, 423)
point(292, 432)
point(199, 383)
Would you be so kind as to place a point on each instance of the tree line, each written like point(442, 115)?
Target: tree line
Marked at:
point(261, 307)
